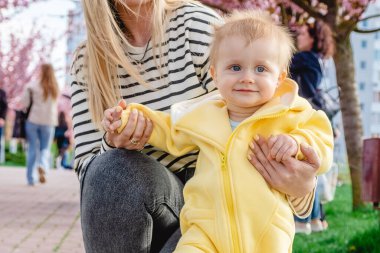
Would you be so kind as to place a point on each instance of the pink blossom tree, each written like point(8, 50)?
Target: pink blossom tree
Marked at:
point(21, 54)
point(343, 17)
point(8, 8)
point(20, 61)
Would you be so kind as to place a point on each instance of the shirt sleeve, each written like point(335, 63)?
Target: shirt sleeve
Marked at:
point(165, 136)
point(201, 29)
point(302, 206)
point(89, 140)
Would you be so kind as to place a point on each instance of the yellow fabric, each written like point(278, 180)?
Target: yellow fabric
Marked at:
point(228, 205)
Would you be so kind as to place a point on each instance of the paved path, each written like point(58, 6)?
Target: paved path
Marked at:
point(39, 219)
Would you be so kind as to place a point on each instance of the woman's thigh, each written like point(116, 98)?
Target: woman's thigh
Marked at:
point(129, 203)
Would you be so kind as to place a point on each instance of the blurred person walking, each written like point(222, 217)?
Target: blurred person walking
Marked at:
point(316, 46)
point(41, 122)
point(3, 113)
point(63, 132)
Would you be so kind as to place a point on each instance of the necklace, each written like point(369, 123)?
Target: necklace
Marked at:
point(140, 62)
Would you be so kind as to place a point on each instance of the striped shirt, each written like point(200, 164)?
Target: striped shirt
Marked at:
point(184, 75)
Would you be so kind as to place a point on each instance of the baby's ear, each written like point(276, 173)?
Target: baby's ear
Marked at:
point(282, 76)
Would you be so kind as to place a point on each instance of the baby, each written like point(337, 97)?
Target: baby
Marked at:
point(228, 205)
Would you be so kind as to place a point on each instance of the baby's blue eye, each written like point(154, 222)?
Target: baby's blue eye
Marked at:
point(235, 68)
point(260, 69)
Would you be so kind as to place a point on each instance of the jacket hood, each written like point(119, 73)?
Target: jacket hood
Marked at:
point(212, 120)
point(284, 98)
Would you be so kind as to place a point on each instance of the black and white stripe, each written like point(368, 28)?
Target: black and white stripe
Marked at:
point(184, 75)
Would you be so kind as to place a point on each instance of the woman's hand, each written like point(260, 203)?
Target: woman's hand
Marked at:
point(135, 134)
point(291, 176)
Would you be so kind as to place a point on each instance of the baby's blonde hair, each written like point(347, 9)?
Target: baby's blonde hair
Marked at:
point(253, 25)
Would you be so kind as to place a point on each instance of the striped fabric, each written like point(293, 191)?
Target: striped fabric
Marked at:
point(184, 75)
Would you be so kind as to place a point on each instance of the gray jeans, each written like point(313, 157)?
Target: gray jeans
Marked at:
point(129, 203)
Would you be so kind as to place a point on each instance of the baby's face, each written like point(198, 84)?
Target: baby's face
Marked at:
point(247, 74)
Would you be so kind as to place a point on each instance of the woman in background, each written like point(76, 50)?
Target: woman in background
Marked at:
point(316, 45)
point(3, 111)
point(41, 122)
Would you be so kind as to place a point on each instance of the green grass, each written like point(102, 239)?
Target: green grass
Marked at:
point(19, 158)
point(16, 159)
point(348, 231)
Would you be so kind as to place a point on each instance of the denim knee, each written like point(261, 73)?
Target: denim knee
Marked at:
point(127, 196)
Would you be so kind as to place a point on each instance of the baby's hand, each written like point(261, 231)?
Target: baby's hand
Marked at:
point(282, 147)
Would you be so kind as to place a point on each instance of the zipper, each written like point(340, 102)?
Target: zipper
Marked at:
point(230, 207)
point(228, 188)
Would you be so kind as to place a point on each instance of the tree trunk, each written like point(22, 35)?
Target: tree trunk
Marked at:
point(352, 121)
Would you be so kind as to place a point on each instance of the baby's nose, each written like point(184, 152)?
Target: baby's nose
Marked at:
point(247, 77)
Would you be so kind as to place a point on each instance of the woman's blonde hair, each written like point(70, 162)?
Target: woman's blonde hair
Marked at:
point(105, 50)
point(252, 25)
point(48, 81)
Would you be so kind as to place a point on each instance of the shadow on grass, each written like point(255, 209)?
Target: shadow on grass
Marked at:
point(348, 231)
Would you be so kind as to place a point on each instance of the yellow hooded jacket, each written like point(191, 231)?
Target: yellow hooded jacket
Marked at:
point(228, 205)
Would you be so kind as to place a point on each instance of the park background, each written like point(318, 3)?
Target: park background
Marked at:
point(34, 31)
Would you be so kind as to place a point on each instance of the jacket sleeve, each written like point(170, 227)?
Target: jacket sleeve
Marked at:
point(316, 131)
point(165, 135)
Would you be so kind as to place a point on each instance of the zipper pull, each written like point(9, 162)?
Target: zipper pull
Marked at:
point(223, 158)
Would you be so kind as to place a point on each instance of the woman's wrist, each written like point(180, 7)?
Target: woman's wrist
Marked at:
point(108, 141)
point(307, 188)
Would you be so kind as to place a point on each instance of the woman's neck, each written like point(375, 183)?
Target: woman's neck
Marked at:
point(139, 26)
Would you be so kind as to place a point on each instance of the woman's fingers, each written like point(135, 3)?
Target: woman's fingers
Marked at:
point(122, 104)
point(111, 118)
point(130, 127)
point(146, 135)
point(140, 127)
point(259, 167)
point(107, 120)
point(261, 152)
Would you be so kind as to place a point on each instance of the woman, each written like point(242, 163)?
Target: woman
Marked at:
point(154, 53)
point(41, 122)
point(316, 46)
point(3, 112)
